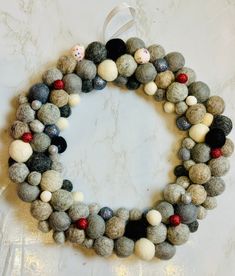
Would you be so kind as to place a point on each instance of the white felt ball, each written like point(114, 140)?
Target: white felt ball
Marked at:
point(198, 132)
point(150, 88)
point(107, 70)
point(154, 217)
point(45, 196)
point(191, 100)
point(78, 196)
point(74, 99)
point(20, 151)
point(142, 56)
point(169, 107)
point(144, 249)
point(62, 123)
point(208, 119)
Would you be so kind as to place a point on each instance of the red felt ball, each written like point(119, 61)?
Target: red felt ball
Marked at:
point(182, 78)
point(216, 153)
point(27, 137)
point(82, 223)
point(175, 220)
point(58, 84)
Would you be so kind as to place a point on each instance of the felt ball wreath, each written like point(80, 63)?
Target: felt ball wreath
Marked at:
point(42, 114)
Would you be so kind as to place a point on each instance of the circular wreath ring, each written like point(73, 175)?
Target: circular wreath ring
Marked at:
point(34, 154)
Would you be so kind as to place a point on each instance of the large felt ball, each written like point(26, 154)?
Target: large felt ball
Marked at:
point(145, 73)
point(223, 122)
point(115, 47)
point(215, 138)
point(107, 70)
point(96, 52)
point(40, 92)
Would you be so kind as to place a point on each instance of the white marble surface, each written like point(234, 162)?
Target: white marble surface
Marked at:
point(121, 147)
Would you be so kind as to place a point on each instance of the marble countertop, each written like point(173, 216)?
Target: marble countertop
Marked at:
point(122, 147)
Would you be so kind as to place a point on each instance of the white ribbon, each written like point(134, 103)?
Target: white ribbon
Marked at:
point(123, 28)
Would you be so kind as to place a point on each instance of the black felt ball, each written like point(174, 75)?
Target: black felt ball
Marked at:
point(193, 226)
point(224, 123)
point(39, 162)
point(215, 138)
point(60, 142)
point(132, 83)
point(67, 185)
point(136, 229)
point(180, 171)
point(116, 47)
point(65, 111)
point(87, 86)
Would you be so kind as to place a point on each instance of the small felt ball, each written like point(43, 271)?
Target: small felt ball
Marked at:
point(176, 92)
point(186, 212)
point(175, 61)
point(215, 186)
point(51, 181)
point(180, 171)
point(215, 105)
point(86, 69)
point(87, 86)
point(96, 52)
point(22, 99)
point(132, 83)
point(99, 83)
point(27, 137)
point(78, 210)
point(169, 107)
point(107, 70)
point(150, 88)
point(122, 213)
point(191, 100)
point(67, 185)
point(48, 114)
point(40, 210)
point(224, 123)
point(135, 214)
point(66, 64)
point(74, 100)
point(164, 79)
point(44, 226)
point(182, 123)
point(144, 249)
point(96, 227)
point(78, 196)
point(208, 119)
point(75, 235)
point(72, 83)
point(52, 130)
point(59, 97)
point(165, 251)
point(166, 209)
point(52, 75)
point(115, 228)
point(193, 226)
point(53, 150)
point(188, 143)
point(183, 181)
point(172, 193)
point(106, 213)
point(200, 153)
point(116, 47)
point(126, 65)
point(124, 247)
point(25, 113)
point(142, 56)
point(182, 78)
point(190, 74)
point(145, 73)
point(36, 126)
point(188, 164)
point(228, 148)
point(215, 138)
point(133, 44)
point(18, 172)
point(18, 128)
point(202, 212)
point(40, 142)
point(59, 221)
point(157, 234)
point(61, 200)
point(36, 105)
point(200, 173)
point(178, 235)
point(196, 113)
point(103, 246)
point(219, 166)
point(216, 153)
point(175, 220)
point(186, 198)
point(184, 154)
point(94, 208)
point(136, 229)
point(154, 217)
point(59, 237)
point(198, 193)
point(120, 81)
point(40, 92)
point(160, 65)
point(45, 196)
point(198, 132)
point(82, 223)
point(62, 123)
point(27, 192)
point(65, 111)
point(200, 90)
point(78, 53)
point(160, 95)
point(20, 151)
point(39, 162)
point(60, 142)
point(88, 243)
point(156, 51)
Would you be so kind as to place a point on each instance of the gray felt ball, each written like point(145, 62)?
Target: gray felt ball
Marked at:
point(40, 210)
point(59, 237)
point(145, 73)
point(188, 143)
point(120, 81)
point(126, 65)
point(124, 247)
point(215, 186)
point(210, 203)
point(175, 61)
point(86, 69)
point(200, 153)
point(88, 243)
point(72, 83)
point(196, 113)
point(215, 105)
point(18, 128)
point(103, 246)
point(27, 192)
point(96, 227)
point(44, 226)
point(25, 113)
point(172, 193)
point(51, 181)
point(165, 251)
point(78, 210)
point(181, 108)
point(135, 214)
point(52, 75)
point(34, 178)
point(157, 234)
point(228, 148)
point(115, 228)
point(160, 95)
point(156, 51)
point(200, 90)
point(224, 123)
point(122, 213)
point(96, 52)
point(75, 235)
point(133, 44)
point(178, 235)
point(176, 92)
point(36, 126)
point(48, 114)
point(219, 166)
point(61, 200)
point(18, 172)
point(59, 221)
point(166, 210)
point(40, 142)
point(94, 208)
point(66, 64)
point(193, 226)
point(187, 212)
point(184, 154)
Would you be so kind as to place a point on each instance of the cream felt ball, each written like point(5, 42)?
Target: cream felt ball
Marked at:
point(150, 88)
point(154, 217)
point(144, 249)
point(107, 70)
point(20, 151)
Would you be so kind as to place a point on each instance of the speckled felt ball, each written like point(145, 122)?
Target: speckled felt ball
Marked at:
point(66, 64)
point(65, 111)
point(157, 234)
point(51, 181)
point(25, 113)
point(40, 92)
point(67, 185)
point(187, 212)
point(124, 247)
point(59, 221)
point(122, 213)
point(96, 227)
point(52, 75)
point(115, 47)
point(75, 235)
point(200, 173)
point(172, 193)
point(48, 114)
point(60, 142)
point(165, 251)
point(193, 226)
point(126, 65)
point(59, 97)
point(72, 83)
point(106, 213)
point(99, 83)
point(215, 186)
point(87, 86)
point(142, 56)
point(27, 192)
point(164, 79)
point(18, 172)
point(215, 105)
point(133, 44)
point(103, 246)
point(228, 148)
point(40, 210)
point(176, 92)
point(61, 200)
point(200, 90)
point(40, 142)
point(160, 65)
point(188, 143)
point(115, 227)
point(135, 214)
point(198, 193)
point(96, 52)
point(39, 162)
point(86, 69)
point(219, 166)
point(215, 138)
point(200, 153)
point(175, 61)
point(196, 113)
point(78, 210)
point(166, 209)
point(179, 234)
point(182, 123)
point(132, 83)
point(156, 51)
point(145, 73)
point(183, 181)
point(224, 123)
point(18, 128)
